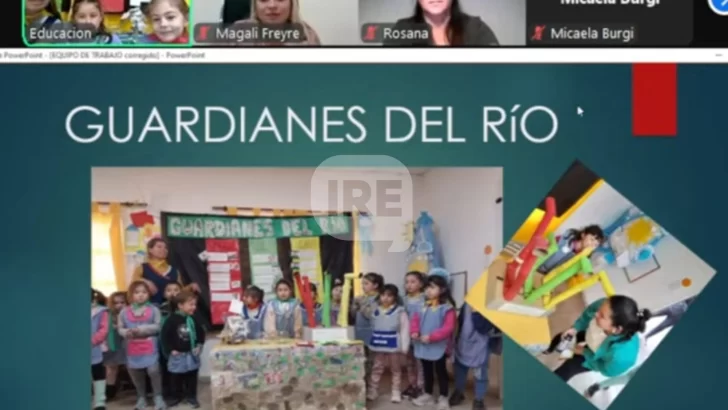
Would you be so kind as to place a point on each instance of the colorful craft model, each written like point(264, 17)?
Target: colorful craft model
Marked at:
point(520, 272)
point(303, 285)
point(424, 253)
point(631, 238)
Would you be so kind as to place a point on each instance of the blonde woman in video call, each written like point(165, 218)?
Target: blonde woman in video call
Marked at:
point(281, 12)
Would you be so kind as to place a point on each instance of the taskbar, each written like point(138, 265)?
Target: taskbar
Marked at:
point(357, 55)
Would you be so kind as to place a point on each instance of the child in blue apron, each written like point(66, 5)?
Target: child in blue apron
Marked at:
point(139, 325)
point(389, 342)
point(283, 315)
point(317, 308)
point(115, 356)
point(476, 339)
point(184, 337)
point(432, 334)
point(254, 309)
point(363, 308)
point(570, 244)
point(99, 335)
point(414, 301)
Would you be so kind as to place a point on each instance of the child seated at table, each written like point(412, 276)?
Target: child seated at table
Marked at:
point(317, 308)
point(254, 310)
point(570, 244)
point(283, 316)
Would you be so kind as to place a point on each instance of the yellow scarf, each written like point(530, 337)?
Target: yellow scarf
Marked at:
point(159, 265)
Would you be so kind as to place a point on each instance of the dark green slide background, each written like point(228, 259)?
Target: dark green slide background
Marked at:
point(45, 263)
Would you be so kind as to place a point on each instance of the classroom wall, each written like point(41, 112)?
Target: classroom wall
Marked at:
point(462, 202)
point(197, 190)
point(677, 262)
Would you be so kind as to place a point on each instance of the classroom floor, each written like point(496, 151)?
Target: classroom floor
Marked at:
point(561, 319)
point(127, 400)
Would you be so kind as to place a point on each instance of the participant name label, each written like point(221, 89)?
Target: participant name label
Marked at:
point(249, 34)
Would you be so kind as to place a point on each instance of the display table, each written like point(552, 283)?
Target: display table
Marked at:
point(282, 375)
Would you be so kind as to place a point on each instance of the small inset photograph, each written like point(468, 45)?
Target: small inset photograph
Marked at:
point(590, 285)
point(296, 288)
point(445, 23)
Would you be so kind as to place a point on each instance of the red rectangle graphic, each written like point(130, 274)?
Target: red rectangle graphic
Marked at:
point(654, 100)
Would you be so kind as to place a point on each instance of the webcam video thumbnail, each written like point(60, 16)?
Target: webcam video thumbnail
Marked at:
point(403, 23)
point(106, 22)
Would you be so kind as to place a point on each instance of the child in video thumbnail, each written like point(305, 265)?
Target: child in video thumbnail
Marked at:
point(414, 301)
point(139, 324)
point(432, 334)
point(89, 13)
point(115, 356)
point(170, 21)
point(184, 336)
point(449, 26)
point(283, 317)
point(278, 13)
point(389, 342)
point(317, 308)
point(99, 335)
point(571, 243)
point(254, 309)
point(43, 13)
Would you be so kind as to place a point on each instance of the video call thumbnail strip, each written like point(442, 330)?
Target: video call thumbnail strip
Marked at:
point(230, 23)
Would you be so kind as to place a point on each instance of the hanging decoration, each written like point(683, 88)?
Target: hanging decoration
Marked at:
point(631, 238)
point(424, 253)
point(366, 224)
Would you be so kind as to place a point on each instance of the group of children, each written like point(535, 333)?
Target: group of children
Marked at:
point(169, 20)
point(161, 344)
point(419, 330)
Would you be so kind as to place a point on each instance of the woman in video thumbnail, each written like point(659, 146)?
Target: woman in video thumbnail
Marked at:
point(281, 12)
point(42, 13)
point(169, 19)
point(449, 26)
point(90, 13)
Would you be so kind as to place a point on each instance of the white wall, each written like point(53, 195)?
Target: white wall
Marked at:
point(677, 262)
point(335, 21)
point(461, 201)
point(197, 190)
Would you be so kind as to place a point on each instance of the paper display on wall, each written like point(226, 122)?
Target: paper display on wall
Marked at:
point(264, 268)
point(223, 267)
point(308, 251)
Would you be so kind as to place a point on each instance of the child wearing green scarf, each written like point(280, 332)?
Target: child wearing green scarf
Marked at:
point(183, 338)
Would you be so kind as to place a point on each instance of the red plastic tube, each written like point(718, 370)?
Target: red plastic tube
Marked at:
point(518, 270)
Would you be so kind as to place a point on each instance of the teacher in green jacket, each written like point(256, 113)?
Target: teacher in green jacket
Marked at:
point(606, 338)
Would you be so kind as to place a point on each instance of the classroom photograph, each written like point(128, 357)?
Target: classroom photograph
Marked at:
point(250, 288)
point(590, 285)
